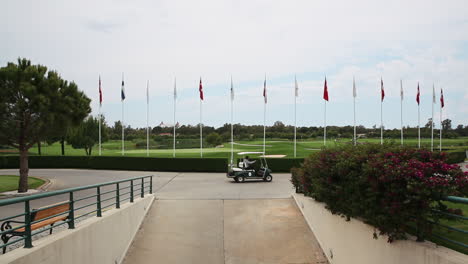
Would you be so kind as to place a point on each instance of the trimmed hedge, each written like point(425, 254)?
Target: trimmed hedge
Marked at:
point(280, 164)
point(120, 163)
point(456, 157)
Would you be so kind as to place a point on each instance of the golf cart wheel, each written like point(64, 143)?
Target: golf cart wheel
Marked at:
point(268, 178)
point(239, 179)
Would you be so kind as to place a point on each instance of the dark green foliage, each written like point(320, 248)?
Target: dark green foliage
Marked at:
point(279, 164)
point(456, 157)
point(214, 139)
point(120, 163)
point(389, 187)
point(36, 105)
point(86, 135)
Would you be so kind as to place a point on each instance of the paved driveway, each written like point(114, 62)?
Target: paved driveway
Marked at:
point(204, 217)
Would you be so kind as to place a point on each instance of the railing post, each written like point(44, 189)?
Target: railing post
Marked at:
point(99, 211)
point(27, 221)
point(71, 214)
point(142, 194)
point(117, 197)
point(151, 184)
point(131, 191)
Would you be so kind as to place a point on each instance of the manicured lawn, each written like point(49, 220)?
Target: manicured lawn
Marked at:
point(274, 147)
point(10, 183)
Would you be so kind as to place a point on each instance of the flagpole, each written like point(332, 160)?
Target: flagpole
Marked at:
point(201, 131)
point(401, 110)
point(232, 123)
point(123, 127)
point(264, 114)
point(325, 123)
point(295, 116)
point(432, 119)
point(147, 118)
point(440, 139)
point(419, 128)
point(354, 110)
point(264, 127)
point(381, 122)
point(100, 120)
point(100, 117)
point(175, 98)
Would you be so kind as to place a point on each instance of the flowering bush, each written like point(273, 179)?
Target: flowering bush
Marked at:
point(389, 187)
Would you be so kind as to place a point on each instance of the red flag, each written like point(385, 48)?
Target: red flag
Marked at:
point(417, 95)
point(441, 98)
point(201, 90)
point(264, 91)
point(325, 90)
point(382, 91)
point(100, 91)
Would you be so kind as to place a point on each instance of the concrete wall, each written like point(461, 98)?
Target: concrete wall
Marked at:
point(96, 240)
point(352, 242)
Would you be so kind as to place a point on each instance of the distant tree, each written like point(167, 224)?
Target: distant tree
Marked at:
point(446, 125)
point(214, 139)
point(86, 135)
point(33, 104)
point(429, 123)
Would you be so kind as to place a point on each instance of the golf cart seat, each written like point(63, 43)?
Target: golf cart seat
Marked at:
point(236, 169)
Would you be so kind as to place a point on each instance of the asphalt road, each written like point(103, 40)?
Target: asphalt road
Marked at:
point(69, 178)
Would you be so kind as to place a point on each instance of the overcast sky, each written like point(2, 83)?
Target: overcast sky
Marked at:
point(416, 41)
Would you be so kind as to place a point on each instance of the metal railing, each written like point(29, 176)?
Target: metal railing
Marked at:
point(80, 206)
point(451, 241)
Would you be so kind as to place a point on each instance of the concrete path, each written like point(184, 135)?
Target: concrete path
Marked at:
point(225, 231)
point(204, 218)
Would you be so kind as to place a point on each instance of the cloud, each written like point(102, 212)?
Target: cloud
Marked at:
point(416, 41)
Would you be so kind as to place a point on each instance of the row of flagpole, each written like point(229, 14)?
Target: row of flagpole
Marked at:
point(296, 94)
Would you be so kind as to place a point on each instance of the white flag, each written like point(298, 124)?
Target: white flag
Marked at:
point(296, 89)
point(433, 94)
point(354, 88)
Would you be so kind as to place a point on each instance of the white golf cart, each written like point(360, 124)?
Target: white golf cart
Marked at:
point(243, 172)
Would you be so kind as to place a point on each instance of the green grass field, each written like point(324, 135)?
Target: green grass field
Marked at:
point(274, 147)
point(10, 183)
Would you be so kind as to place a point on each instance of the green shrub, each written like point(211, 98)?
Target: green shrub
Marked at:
point(387, 186)
point(456, 157)
point(279, 164)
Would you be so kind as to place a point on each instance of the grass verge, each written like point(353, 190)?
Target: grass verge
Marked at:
point(10, 183)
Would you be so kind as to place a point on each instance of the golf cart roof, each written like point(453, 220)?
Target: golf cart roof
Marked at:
point(246, 153)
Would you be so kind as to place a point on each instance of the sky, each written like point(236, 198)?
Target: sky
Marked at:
point(423, 42)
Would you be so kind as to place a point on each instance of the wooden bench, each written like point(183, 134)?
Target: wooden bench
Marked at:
point(36, 215)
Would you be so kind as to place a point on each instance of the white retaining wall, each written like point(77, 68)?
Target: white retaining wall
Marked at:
point(103, 239)
point(351, 242)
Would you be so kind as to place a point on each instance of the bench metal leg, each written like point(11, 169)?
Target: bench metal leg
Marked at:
point(5, 239)
point(51, 228)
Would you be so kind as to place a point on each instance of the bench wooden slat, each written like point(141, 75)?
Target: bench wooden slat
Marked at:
point(51, 211)
point(44, 223)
